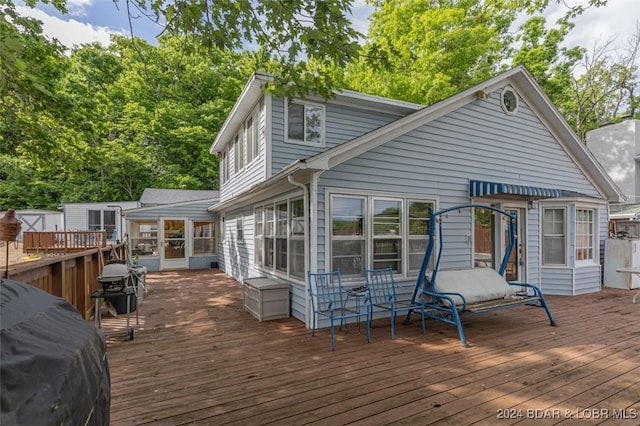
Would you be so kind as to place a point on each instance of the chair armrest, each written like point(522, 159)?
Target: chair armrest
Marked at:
point(535, 289)
point(448, 297)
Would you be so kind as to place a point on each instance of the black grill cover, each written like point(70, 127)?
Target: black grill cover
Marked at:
point(53, 363)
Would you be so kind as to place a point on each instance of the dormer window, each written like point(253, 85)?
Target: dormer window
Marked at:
point(305, 123)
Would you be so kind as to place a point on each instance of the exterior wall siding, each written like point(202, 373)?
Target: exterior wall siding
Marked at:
point(341, 125)
point(437, 160)
point(252, 173)
point(557, 281)
point(76, 216)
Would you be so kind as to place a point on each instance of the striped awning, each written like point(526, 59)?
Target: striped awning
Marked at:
point(479, 188)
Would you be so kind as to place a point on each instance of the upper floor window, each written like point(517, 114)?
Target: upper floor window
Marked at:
point(554, 235)
point(224, 165)
point(305, 123)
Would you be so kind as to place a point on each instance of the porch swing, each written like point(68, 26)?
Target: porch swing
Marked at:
point(450, 292)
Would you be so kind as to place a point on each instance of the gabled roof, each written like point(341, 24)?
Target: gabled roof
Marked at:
point(253, 91)
point(157, 196)
point(519, 78)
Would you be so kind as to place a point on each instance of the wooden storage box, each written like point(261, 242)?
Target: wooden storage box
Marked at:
point(266, 298)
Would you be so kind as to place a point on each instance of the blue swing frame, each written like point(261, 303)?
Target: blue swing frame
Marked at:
point(442, 306)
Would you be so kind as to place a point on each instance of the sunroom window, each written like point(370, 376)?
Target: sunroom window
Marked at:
point(144, 238)
point(204, 238)
point(279, 237)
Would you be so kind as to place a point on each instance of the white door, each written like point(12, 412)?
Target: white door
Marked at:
point(174, 244)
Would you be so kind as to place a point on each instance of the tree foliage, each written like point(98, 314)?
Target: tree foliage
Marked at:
point(96, 123)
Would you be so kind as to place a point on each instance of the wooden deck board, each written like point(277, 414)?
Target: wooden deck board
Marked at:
point(198, 357)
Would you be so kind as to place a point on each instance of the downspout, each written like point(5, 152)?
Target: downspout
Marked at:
point(307, 302)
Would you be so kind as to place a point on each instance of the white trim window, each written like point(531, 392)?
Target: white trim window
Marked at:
point(279, 237)
point(378, 232)
point(585, 234)
point(269, 236)
point(297, 229)
point(144, 238)
point(252, 136)
point(240, 229)
point(554, 236)
point(304, 123)
point(282, 243)
point(204, 237)
point(348, 234)
point(224, 166)
point(387, 234)
point(258, 237)
point(417, 232)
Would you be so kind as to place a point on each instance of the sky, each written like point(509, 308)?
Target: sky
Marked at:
point(91, 21)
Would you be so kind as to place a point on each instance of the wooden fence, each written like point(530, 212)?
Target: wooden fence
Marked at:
point(72, 276)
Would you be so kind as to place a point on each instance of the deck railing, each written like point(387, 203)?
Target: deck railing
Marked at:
point(55, 242)
point(72, 276)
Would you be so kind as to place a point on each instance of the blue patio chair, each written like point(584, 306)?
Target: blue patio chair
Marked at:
point(382, 294)
point(329, 300)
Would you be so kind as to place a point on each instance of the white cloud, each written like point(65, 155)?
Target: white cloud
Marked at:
point(69, 32)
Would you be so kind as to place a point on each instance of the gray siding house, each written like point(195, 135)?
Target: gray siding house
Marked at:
point(173, 229)
point(315, 185)
point(97, 217)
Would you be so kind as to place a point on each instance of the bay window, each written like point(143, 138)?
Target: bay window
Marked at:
point(554, 235)
point(585, 234)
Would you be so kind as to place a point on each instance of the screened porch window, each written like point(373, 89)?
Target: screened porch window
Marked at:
point(204, 238)
point(144, 238)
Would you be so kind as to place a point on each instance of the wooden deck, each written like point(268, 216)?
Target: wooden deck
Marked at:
point(198, 357)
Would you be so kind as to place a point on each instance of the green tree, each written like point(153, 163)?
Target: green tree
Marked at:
point(431, 50)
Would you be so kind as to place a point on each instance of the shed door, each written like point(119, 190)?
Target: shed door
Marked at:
point(173, 244)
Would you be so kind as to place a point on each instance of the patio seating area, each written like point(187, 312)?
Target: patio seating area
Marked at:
point(198, 357)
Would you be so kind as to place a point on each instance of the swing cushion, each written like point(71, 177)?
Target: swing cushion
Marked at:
point(476, 285)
